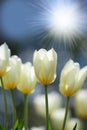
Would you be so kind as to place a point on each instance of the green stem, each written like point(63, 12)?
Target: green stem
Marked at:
point(47, 111)
point(13, 106)
point(25, 112)
point(66, 112)
point(5, 104)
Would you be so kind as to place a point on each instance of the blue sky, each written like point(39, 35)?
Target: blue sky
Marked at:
point(14, 18)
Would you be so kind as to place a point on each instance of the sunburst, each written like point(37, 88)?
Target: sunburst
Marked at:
point(58, 20)
point(65, 20)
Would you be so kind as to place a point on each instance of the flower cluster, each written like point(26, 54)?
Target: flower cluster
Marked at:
point(24, 77)
point(15, 73)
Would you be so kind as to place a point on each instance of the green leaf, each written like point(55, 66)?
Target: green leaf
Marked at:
point(18, 125)
point(1, 128)
point(74, 128)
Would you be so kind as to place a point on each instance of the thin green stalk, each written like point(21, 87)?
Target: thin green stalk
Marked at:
point(5, 105)
point(13, 106)
point(25, 112)
point(66, 112)
point(47, 111)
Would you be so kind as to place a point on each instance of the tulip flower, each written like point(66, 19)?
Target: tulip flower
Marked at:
point(45, 63)
point(4, 58)
point(54, 101)
point(57, 118)
point(72, 78)
point(71, 123)
point(80, 104)
point(27, 79)
point(26, 85)
point(38, 128)
point(11, 77)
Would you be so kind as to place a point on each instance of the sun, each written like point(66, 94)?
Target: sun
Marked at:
point(64, 20)
point(59, 21)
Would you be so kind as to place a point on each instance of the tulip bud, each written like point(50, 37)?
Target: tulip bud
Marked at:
point(27, 79)
point(45, 63)
point(4, 58)
point(72, 78)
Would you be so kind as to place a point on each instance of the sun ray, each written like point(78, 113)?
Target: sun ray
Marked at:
point(66, 21)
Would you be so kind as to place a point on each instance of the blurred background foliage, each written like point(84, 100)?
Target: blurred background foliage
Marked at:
point(21, 30)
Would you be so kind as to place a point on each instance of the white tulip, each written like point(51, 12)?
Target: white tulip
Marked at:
point(27, 79)
point(4, 58)
point(54, 101)
point(57, 118)
point(45, 63)
point(11, 77)
point(38, 128)
point(80, 103)
point(71, 123)
point(72, 78)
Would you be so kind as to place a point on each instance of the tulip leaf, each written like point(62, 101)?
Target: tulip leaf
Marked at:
point(18, 125)
point(1, 128)
point(74, 128)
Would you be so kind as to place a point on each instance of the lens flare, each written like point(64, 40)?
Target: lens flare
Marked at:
point(65, 20)
point(58, 20)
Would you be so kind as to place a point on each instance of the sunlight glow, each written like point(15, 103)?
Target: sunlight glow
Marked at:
point(65, 20)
